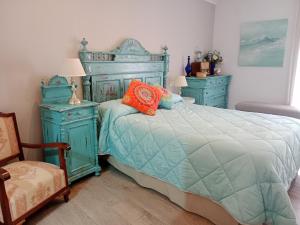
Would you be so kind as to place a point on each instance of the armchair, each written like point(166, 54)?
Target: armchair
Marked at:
point(26, 186)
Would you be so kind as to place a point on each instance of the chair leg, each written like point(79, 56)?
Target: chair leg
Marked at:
point(66, 195)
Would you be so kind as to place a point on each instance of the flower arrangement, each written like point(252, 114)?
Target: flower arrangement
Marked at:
point(213, 57)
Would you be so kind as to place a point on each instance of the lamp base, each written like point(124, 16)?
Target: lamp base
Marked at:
point(74, 100)
point(179, 91)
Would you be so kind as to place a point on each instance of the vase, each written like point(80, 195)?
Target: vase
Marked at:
point(218, 70)
point(188, 68)
point(212, 67)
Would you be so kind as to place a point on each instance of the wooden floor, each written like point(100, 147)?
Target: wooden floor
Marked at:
point(115, 199)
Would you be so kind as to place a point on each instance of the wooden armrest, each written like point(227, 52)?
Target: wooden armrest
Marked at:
point(60, 146)
point(4, 175)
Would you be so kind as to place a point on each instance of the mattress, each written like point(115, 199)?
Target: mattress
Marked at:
point(243, 161)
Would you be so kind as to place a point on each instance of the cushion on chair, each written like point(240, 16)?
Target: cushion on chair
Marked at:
point(8, 138)
point(30, 184)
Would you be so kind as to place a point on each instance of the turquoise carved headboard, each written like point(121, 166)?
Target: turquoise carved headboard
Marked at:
point(109, 73)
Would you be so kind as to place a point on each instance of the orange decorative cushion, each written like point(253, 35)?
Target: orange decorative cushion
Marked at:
point(142, 97)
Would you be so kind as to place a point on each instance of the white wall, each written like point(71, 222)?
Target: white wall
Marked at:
point(36, 35)
point(253, 83)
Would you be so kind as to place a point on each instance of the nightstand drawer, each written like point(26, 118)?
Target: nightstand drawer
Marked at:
point(78, 114)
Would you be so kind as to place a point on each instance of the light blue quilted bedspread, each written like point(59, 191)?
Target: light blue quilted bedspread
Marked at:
point(244, 161)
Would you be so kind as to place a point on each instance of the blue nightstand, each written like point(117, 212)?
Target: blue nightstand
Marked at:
point(73, 124)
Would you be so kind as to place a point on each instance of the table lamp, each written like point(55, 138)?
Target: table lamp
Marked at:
point(72, 67)
point(180, 82)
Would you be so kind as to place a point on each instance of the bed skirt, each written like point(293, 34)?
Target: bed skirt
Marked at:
point(188, 201)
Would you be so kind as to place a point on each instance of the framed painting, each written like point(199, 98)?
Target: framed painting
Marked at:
point(262, 43)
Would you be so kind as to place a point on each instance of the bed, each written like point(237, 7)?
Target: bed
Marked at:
point(229, 166)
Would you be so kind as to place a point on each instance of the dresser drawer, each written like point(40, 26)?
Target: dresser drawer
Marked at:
point(210, 91)
point(220, 81)
point(215, 101)
point(217, 91)
point(76, 114)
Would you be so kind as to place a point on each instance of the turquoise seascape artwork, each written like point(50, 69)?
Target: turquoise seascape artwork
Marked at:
point(262, 43)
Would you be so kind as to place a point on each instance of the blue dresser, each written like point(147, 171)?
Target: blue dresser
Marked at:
point(210, 91)
point(73, 124)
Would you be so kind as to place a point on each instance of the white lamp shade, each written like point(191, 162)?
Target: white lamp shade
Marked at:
point(72, 67)
point(180, 81)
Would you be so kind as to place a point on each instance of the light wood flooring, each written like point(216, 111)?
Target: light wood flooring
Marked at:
point(115, 199)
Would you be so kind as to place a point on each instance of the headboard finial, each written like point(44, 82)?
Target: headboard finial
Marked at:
point(165, 49)
point(43, 82)
point(84, 43)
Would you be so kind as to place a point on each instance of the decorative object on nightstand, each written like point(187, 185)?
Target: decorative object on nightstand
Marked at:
point(201, 74)
point(196, 67)
point(214, 58)
point(198, 56)
point(210, 91)
point(205, 67)
point(189, 99)
point(72, 124)
point(188, 67)
point(180, 82)
point(72, 68)
point(218, 71)
point(202, 67)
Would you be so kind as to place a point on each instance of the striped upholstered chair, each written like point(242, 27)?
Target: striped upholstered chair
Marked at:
point(26, 186)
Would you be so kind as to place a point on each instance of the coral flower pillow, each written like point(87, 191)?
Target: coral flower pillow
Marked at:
point(142, 97)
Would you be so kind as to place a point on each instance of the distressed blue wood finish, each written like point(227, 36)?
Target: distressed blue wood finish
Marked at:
point(73, 124)
point(58, 90)
point(109, 73)
point(210, 91)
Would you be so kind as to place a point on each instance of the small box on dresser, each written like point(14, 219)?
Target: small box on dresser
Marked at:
point(72, 124)
point(209, 91)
